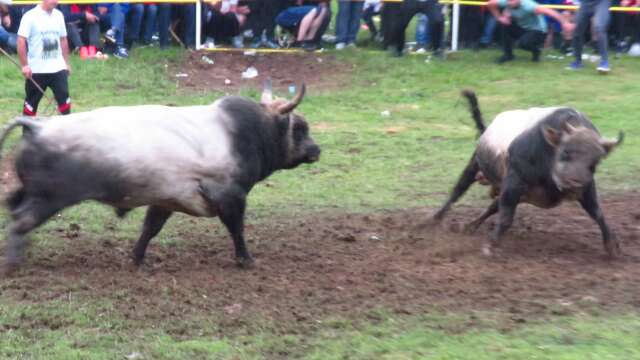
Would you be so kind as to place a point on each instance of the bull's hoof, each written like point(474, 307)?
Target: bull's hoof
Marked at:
point(137, 260)
point(487, 250)
point(613, 250)
point(245, 263)
point(9, 269)
point(431, 223)
point(470, 228)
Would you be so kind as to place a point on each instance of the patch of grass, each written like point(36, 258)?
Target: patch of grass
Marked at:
point(570, 338)
point(72, 329)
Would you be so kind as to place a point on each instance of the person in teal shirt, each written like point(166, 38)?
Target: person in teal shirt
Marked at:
point(523, 21)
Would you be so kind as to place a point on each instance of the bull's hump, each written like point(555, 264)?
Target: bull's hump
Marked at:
point(509, 125)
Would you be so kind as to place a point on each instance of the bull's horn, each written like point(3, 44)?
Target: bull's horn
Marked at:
point(267, 93)
point(609, 145)
point(291, 105)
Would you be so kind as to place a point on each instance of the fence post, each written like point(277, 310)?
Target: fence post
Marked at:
point(198, 24)
point(456, 26)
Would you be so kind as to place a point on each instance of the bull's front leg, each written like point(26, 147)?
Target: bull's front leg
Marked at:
point(512, 189)
point(230, 204)
point(589, 202)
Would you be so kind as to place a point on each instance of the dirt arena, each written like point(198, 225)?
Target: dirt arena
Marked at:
point(314, 267)
point(341, 265)
point(223, 71)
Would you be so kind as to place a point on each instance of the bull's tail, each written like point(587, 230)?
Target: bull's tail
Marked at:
point(475, 109)
point(24, 121)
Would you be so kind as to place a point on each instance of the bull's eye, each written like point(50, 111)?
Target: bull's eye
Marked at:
point(592, 168)
point(298, 134)
point(565, 156)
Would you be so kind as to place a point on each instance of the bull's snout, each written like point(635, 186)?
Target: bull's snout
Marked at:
point(313, 154)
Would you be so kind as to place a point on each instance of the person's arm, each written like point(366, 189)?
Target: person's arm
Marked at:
point(503, 19)
point(566, 25)
point(541, 10)
point(64, 45)
point(22, 55)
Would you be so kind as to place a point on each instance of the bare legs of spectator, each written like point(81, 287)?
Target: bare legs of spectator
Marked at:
point(309, 27)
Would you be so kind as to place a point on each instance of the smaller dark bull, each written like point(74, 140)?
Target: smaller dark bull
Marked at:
point(199, 160)
point(540, 156)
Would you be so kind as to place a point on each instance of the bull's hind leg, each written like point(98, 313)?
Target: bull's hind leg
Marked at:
point(153, 222)
point(589, 202)
point(465, 181)
point(28, 212)
point(475, 224)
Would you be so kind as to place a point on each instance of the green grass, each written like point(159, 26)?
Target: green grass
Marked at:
point(64, 329)
point(364, 167)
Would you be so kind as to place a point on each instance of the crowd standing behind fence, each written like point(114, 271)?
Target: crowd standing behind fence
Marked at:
point(116, 28)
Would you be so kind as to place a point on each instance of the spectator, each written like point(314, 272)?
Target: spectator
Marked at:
point(599, 11)
point(409, 8)
point(306, 21)
point(83, 28)
point(627, 29)
point(523, 21)
point(371, 8)
point(422, 33)
point(185, 15)
point(388, 18)
point(115, 34)
point(488, 30)
point(348, 22)
point(156, 16)
point(133, 23)
point(7, 39)
point(226, 21)
point(262, 18)
point(44, 55)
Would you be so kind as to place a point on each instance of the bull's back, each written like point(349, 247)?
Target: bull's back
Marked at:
point(493, 146)
point(148, 154)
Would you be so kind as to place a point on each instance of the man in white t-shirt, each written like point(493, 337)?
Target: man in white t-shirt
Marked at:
point(44, 55)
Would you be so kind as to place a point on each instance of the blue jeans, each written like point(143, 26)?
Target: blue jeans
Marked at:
point(599, 10)
point(422, 31)
point(116, 17)
point(348, 20)
point(163, 21)
point(187, 15)
point(8, 39)
point(149, 24)
point(488, 30)
point(134, 22)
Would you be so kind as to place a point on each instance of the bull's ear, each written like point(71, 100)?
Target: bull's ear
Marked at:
point(267, 93)
point(291, 105)
point(609, 145)
point(551, 136)
point(568, 128)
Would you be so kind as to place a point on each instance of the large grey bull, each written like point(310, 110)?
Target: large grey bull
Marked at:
point(540, 156)
point(199, 160)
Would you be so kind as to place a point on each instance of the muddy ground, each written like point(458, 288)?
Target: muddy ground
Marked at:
point(223, 71)
point(334, 265)
point(345, 265)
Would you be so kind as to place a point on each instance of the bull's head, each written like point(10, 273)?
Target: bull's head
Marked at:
point(578, 151)
point(299, 146)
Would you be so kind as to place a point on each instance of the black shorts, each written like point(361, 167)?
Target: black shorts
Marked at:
point(58, 84)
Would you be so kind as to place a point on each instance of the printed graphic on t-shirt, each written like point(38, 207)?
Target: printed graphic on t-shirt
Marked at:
point(50, 46)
